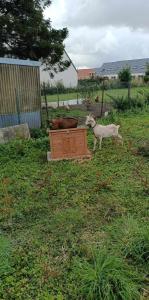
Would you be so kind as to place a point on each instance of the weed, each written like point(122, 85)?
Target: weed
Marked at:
point(106, 277)
point(125, 103)
point(133, 239)
point(55, 213)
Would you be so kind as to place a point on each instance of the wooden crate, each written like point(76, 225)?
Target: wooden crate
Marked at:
point(68, 144)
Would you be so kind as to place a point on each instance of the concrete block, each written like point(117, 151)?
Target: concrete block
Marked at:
point(13, 132)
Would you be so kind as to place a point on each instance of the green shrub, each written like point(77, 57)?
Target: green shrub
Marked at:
point(113, 116)
point(145, 95)
point(107, 277)
point(124, 103)
point(38, 133)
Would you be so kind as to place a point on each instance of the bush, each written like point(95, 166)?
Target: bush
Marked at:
point(38, 133)
point(107, 277)
point(125, 103)
point(145, 95)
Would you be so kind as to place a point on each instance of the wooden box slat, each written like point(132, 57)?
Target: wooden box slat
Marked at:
point(68, 143)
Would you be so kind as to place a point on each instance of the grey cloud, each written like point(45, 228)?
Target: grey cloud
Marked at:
point(103, 30)
point(93, 47)
point(95, 13)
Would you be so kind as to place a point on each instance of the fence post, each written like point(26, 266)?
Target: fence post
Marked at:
point(129, 87)
point(18, 107)
point(57, 98)
point(46, 103)
point(102, 99)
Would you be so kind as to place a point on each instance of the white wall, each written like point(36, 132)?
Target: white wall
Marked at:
point(69, 77)
point(116, 75)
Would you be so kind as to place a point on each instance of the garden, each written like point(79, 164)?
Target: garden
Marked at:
point(76, 229)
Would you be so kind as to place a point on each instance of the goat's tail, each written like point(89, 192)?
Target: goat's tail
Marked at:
point(118, 126)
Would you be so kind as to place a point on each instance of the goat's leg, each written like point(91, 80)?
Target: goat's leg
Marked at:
point(95, 142)
point(100, 141)
point(120, 137)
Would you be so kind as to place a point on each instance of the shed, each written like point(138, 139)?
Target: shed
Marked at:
point(20, 100)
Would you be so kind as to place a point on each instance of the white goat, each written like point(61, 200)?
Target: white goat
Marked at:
point(101, 131)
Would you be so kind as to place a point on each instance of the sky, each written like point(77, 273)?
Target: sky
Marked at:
point(102, 30)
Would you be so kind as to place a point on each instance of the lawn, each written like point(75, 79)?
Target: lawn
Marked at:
point(76, 230)
point(112, 92)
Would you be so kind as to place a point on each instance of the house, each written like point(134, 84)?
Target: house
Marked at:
point(86, 74)
point(69, 77)
point(20, 99)
point(111, 69)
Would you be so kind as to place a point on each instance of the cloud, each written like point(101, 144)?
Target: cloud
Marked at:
point(92, 47)
point(97, 13)
point(102, 30)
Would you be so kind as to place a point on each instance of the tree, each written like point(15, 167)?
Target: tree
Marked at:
point(25, 34)
point(146, 77)
point(125, 77)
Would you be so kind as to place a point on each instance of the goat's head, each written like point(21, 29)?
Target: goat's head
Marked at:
point(90, 121)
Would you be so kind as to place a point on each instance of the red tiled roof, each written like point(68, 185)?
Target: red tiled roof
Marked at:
point(85, 73)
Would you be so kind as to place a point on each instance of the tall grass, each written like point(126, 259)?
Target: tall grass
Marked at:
point(106, 277)
point(124, 103)
point(132, 238)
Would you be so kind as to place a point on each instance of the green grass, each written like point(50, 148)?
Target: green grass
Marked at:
point(112, 92)
point(76, 230)
point(62, 112)
point(62, 97)
point(4, 255)
point(105, 277)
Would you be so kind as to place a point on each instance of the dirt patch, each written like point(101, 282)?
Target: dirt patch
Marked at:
point(94, 108)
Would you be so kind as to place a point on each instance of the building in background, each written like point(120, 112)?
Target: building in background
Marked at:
point(111, 69)
point(20, 100)
point(69, 77)
point(86, 74)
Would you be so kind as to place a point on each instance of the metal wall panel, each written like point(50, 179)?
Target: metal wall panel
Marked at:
point(19, 94)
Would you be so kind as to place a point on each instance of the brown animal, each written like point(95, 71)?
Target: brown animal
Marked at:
point(63, 123)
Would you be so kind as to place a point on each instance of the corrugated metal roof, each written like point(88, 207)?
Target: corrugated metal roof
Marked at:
point(20, 62)
point(137, 66)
